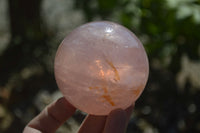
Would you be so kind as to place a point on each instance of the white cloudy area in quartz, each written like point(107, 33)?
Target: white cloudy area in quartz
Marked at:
point(101, 66)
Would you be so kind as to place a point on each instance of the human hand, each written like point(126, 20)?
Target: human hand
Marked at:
point(55, 114)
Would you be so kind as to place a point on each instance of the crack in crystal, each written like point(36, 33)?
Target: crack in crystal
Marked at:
point(116, 78)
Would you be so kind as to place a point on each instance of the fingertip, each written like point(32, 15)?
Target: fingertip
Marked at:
point(52, 116)
point(93, 124)
point(130, 109)
point(62, 101)
point(61, 110)
point(117, 113)
point(116, 121)
point(30, 130)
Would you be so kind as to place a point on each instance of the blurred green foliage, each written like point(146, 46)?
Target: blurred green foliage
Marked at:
point(169, 30)
point(166, 34)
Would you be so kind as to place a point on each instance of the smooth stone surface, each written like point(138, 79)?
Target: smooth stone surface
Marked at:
point(101, 66)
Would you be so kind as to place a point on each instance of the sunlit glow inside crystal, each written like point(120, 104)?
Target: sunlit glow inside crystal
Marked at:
point(101, 66)
point(108, 29)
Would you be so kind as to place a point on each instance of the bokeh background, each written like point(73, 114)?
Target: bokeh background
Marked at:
point(31, 30)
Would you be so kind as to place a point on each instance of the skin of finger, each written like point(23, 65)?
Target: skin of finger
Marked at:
point(117, 116)
point(31, 130)
point(116, 122)
point(51, 117)
point(93, 124)
point(129, 111)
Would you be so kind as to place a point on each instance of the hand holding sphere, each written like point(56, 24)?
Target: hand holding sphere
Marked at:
point(101, 68)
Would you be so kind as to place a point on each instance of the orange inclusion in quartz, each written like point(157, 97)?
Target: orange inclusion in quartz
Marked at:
point(136, 92)
point(93, 88)
point(104, 88)
point(106, 96)
point(117, 78)
point(108, 99)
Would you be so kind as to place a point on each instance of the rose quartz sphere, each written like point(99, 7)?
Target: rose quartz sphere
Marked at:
point(101, 66)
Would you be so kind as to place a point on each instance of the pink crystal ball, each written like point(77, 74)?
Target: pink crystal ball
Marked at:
point(101, 66)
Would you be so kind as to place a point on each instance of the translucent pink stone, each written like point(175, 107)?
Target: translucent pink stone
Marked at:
point(101, 66)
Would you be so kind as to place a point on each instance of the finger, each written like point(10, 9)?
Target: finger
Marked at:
point(129, 111)
point(51, 117)
point(93, 124)
point(117, 120)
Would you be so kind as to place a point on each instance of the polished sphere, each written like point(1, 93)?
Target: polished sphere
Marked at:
point(101, 66)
